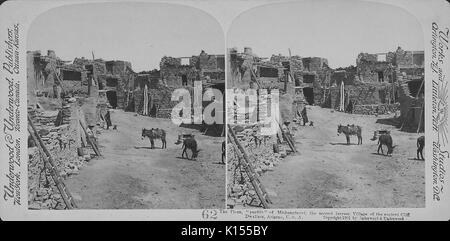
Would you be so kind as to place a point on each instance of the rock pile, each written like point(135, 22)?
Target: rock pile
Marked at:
point(262, 158)
point(60, 141)
point(63, 116)
point(46, 117)
point(375, 109)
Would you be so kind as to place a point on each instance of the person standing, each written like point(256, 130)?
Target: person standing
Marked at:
point(304, 116)
point(108, 119)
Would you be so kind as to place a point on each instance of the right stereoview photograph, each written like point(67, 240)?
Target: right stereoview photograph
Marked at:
point(325, 107)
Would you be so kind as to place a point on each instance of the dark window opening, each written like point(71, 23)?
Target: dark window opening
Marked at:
point(286, 65)
point(418, 59)
point(90, 70)
point(221, 62)
point(380, 76)
point(309, 95)
point(111, 82)
point(184, 80)
point(71, 75)
point(268, 72)
point(309, 78)
point(100, 85)
point(112, 98)
point(306, 64)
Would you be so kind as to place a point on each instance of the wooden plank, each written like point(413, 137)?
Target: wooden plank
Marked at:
point(247, 160)
point(256, 78)
point(65, 194)
point(88, 138)
point(288, 140)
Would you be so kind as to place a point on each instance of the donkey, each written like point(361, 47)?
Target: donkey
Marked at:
point(420, 146)
point(223, 151)
point(153, 134)
point(385, 139)
point(190, 143)
point(350, 130)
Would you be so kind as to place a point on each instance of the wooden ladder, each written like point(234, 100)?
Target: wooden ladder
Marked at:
point(251, 173)
point(50, 165)
point(288, 139)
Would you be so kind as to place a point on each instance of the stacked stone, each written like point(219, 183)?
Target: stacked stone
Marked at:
point(46, 117)
point(138, 100)
point(375, 109)
point(262, 158)
point(164, 113)
point(60, 142)
point(64, 115)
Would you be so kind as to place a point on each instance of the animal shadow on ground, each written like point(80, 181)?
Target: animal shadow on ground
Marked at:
point(184, 158)
point(376, 154)
point(146, 147)
point(342, 144)
point(414, 159)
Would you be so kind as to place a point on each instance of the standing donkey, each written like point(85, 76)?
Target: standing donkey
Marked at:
point(420, 146)
point(153, 134)
point(350, 130)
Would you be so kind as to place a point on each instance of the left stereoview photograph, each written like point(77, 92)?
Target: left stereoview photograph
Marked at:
point(125, 108)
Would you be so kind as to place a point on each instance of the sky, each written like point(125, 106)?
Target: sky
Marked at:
point(336, 30)
point(141, 33)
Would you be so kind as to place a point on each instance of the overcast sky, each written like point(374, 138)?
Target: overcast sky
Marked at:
point(139, 33)
point(337, 30)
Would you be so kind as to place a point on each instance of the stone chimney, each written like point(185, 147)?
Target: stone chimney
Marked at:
point(51, 53)
point(248, 50)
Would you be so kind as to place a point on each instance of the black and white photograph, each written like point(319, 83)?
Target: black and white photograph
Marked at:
point(238, 113)
point(100, 81)
point(350, 78)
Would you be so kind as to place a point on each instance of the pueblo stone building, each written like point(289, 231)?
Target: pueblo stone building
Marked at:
point(380, 83)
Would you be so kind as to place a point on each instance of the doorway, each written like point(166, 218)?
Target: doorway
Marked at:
point(111, 95)
point(308, 92)
point(184, 81)
point(380, 76)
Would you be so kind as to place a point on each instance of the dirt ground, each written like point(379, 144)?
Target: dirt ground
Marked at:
point(130, 175)
point(327, 173)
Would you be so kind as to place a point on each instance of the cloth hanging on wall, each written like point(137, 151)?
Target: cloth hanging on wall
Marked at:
point(145, 109)
point(342, 100)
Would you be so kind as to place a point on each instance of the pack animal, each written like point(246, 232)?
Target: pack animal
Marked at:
point(420, 146)
point(153, 134)
point(223, 152)
point(191, 144)
point(385, 139)
point(350, 130)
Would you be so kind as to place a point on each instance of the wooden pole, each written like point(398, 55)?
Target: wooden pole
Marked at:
point(88, 138)
point(254, 76)
point(288, 139)
point(65, 194)
point(247, 160)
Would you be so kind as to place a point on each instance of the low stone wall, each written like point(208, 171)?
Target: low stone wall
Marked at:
point(262, 157)
point(61, 141)
point(164, 113)
point(375, 109)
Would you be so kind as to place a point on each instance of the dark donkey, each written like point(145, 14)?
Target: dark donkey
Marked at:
point(153, 134)
point(350, 130)
point(223, 152)
point(420, 146)
point(385, 139)
point(190, 143)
